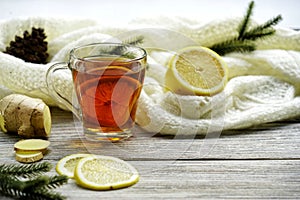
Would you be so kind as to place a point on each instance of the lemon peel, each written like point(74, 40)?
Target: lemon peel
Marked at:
point(66, 165)
point(104, 173)
point(196, 70)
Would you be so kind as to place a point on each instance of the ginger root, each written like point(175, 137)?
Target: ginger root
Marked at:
point(29, 117)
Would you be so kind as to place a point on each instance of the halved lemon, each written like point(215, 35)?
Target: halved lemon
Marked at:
point(66, 165)
point(104, 173)
point(196, 70)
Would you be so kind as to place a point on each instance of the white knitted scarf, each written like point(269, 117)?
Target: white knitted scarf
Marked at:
point(264, 85)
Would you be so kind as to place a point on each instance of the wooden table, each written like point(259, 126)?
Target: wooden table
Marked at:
point(262, 162)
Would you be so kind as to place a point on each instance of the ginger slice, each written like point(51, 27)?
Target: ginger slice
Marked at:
point(29, 157)
point(32, 145)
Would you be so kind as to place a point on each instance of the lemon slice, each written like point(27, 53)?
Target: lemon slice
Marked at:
point(104, 173)
point(196, 70)
point(66, 165)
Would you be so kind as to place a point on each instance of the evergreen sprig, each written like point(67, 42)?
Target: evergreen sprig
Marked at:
point(43, 195)
point(262, 30)
point(55, 182)
point(25, 171)
point(233, 45)
point(122, 50)
point(134, 41)
point(244, 25)
point(244, 42)
point(26, 182)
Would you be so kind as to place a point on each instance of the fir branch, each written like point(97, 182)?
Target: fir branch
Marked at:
point(134, 41)
point(14, 182)
point(55, 182)
point(262, 30)
point(244, 42)
point(244, 25)
point(258, 35)
point(45, 182)
point(33, 184)
point(44, 195)
point(25, 171)
point(272, 22)
point(233, 45)
point(10, 185)
point(123, 49)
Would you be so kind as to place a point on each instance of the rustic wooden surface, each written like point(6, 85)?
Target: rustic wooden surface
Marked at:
point(257, 163)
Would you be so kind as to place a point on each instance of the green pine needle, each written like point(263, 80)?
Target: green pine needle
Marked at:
point(244, 42)
point(44, 195)
point(25, 171)
point(233, 45)
point(10, 185)
point(23, 182)
point(272, 22)
point(122, 50)
point(131, 41)
point(244, 25)
point(33, 184)
point(258, 35)
point(262, 30)
point(134, 41)
point(55, 182)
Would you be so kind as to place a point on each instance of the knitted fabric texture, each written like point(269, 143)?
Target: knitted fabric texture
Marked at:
point(263, 86)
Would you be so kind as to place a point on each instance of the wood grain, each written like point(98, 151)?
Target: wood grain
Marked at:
point(257, 163)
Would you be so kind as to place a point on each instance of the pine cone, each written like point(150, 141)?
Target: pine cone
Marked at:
point(31, 48)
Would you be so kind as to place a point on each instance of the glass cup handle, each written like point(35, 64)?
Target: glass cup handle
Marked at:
point(53, 91)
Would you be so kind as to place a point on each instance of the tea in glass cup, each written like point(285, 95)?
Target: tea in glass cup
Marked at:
point(108, 79)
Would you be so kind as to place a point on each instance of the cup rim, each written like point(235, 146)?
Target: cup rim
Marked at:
point(72, 52)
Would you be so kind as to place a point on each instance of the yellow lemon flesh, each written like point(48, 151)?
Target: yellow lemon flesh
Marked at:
point(196, 70)
point(66, 165)
point(104, 173)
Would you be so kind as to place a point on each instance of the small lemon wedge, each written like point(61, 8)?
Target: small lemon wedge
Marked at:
point(196, 70)
point(66, 165)
point(104, 173)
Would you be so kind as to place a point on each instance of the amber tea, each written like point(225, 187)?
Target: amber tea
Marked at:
point(108, 90)
point(107, 79)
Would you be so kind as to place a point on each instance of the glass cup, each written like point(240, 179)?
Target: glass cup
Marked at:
point(107, 79)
